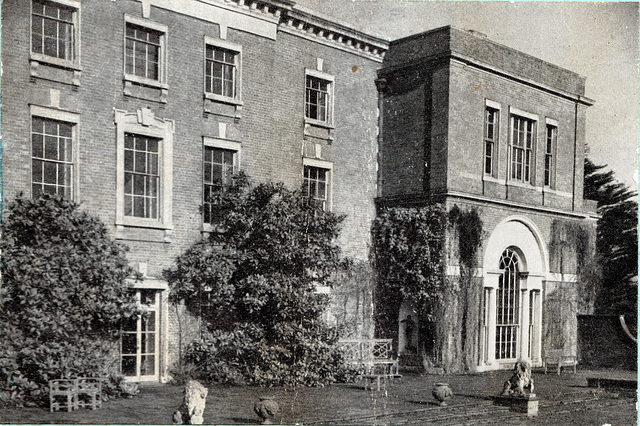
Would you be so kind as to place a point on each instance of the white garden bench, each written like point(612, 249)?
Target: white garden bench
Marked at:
point(372, 358)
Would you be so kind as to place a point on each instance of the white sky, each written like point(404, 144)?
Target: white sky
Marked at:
point(598, 40)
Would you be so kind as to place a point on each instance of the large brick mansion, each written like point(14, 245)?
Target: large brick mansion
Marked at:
point(138, 109)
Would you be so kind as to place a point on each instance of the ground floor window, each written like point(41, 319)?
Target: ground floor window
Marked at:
point(507, 315)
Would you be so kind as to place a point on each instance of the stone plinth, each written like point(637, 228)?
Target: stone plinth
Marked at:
point(527, 404)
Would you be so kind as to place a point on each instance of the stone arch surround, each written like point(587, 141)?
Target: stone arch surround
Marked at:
point(521, 234)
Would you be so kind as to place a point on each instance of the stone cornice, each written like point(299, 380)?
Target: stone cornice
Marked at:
point(420, 199)
point(310, 25)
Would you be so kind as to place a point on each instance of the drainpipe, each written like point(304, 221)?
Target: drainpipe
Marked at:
point(575, 153)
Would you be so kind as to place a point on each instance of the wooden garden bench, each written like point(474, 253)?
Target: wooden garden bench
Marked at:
point(558, 358)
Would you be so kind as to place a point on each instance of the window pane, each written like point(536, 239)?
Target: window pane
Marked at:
point(138, 207)
point(140, 162)
point(36, 171)
point(50, 172)
point(128, 205)
point(148, 365)
point(129, 343)
point(36, 38)
point(216, 177)
point(152, 163)
point(38, 7)
point(138, 184)
point(66, 15)
point(153, 187)
point(37, 145)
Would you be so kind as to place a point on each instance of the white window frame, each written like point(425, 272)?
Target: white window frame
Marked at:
point(67, 117)
point(330, 79)
point(144, 123)
point(73, 63)
point(550, 123)
point(237, 49)
point(161, 82)
point(210, 142)
point(495, 141)
point(328, 166)
point(513, 113)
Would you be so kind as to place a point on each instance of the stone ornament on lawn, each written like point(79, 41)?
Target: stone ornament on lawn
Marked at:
point(192, 408)
point(442, 392)
point(266, 408)
point(520, 380)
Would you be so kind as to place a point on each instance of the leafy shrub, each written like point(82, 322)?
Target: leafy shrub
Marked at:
point(253, 283)
point(62, 298)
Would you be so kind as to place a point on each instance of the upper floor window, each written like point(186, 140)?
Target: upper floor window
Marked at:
point(145, 57)
point(319, 97)
point(549, 154)
point(141, 176)
point(491, 120)
point(144, 174)
point(221, 71)
point(51, 157)
point(53, 29)
point(142, 52)
point(522, 142)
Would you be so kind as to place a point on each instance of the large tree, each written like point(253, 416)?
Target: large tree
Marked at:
point(617, 238)
point(254, 281)
point(62, 298)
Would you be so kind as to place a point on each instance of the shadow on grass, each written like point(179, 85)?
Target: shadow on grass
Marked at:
point(428, 403)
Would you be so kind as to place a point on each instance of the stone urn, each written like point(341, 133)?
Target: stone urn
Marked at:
point(442, 392)
point(266, 408)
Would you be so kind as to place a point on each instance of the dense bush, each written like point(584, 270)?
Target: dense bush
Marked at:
point(62, 297)
point(253, 284)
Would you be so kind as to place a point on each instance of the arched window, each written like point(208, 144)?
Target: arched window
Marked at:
point(507, 315)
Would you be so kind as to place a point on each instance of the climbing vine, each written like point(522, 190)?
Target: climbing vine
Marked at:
point(409, 254)
point(464, 293)
point(572, 249)
point(469, 231)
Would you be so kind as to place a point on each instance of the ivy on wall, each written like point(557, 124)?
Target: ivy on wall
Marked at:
point(410, 251)
point(571, 250)
point(409, 254)
point(468, 226)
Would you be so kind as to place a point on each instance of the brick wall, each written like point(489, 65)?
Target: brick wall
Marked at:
point(270, 128)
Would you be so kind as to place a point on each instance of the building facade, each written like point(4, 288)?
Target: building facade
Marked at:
point(471, 123)
point(140, 110)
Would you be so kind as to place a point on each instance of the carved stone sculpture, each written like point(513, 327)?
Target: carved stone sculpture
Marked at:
point(266, 408)
point(442, 392)
point(192, 408)
point(520, 380)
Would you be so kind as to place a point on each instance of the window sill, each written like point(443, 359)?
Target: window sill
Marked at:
point(318, 123)
point(521, 184)
point(145, 81)
point(145, 88)
point(143, 230)
point(488, 178)
point(54, 69)
point(142, 222)
point(223, 99)
point(56, 62)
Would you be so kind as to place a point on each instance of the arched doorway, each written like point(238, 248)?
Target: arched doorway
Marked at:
point(514, 268)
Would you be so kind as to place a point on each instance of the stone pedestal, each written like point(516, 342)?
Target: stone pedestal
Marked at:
point(526, 404)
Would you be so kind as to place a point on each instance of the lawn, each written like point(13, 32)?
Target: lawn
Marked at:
point(408, 400)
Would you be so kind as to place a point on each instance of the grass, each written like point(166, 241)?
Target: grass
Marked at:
point(407, 400)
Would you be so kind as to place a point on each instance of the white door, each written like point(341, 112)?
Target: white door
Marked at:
point(139, 342)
